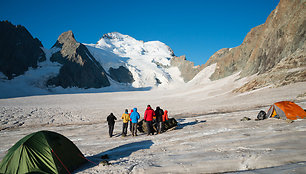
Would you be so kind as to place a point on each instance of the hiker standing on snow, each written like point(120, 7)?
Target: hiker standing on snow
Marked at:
point(134, 119)
point(159, 119)
point(148, 117)
point(126, 118)
point(165, 118)
point(131, 121)
point(111, 124)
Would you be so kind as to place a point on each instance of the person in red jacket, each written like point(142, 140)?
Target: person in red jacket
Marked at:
point(165, 118)
point(148, 117)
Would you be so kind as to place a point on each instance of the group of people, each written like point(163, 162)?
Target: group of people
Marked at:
point(150, 117)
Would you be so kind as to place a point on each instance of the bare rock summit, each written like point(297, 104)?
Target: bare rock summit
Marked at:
point(80, 69)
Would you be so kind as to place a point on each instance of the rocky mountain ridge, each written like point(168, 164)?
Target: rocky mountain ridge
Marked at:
point(266, 48)
point(187, 68)
point(18, 50)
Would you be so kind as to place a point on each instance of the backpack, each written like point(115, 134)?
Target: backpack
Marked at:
point(261, 115)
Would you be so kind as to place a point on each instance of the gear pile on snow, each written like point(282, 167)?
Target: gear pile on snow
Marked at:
point(168, 124)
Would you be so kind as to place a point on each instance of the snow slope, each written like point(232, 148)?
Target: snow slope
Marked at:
point(210, 137)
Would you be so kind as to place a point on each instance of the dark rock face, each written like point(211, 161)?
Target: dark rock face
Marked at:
point(18, 50)
point(80, 68)
point(280, 39)
point(187, 68)
point(121, 75)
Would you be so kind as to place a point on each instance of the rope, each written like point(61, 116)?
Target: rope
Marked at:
point(61, 161)
point(88, 159)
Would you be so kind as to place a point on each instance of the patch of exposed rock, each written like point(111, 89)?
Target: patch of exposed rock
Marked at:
point(289, 70)
point(18, 50)
point(121, 75)
point(80, 68)
point(267, 47)
point(187, 68)
point(302, 96)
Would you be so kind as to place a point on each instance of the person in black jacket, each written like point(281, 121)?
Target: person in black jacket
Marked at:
point(111, 123)
point(159, 119)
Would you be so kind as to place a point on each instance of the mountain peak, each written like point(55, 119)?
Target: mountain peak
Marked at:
point(115, 35)
point(79, 68)
point(66, 37)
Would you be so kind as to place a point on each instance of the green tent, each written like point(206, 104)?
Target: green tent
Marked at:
point(42, 152)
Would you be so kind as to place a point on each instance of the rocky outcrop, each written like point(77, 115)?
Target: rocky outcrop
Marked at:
point(187, 68)
point(289, 70)
point(18, 50)
point(80, 68)
point(121, 75)
point(268, 49)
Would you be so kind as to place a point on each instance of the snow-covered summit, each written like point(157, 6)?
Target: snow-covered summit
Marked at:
point(148, 62)
point(116, 35)
point(126, 46)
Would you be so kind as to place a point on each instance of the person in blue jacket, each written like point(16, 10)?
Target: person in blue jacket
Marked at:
point(134, 119)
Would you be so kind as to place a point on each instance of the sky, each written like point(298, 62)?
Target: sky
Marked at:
point(195, 28)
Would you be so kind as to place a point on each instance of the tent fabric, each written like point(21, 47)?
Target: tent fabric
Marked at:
point(42, 152)
point(286, 110)
point(274, 114)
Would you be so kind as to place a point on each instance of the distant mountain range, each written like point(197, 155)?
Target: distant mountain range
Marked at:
point(116, 60)
point(274, 51)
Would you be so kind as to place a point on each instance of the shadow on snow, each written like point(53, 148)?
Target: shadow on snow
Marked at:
point(30, 93)
point(116, 153)
point(182, 125)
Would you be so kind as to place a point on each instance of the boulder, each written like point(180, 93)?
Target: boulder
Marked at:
point(245, 119)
